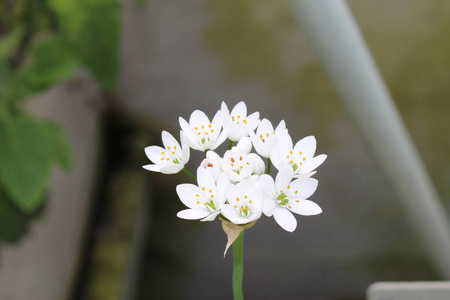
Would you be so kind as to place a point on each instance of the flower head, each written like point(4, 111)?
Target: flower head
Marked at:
point(205, 200)
point(244, 202)
point(281, 197)
point(240, 124)
point(300, 157)
point(170, 159)
point(266, 138)
point(201, 134)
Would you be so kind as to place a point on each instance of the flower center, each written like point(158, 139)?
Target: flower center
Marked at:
point(266, 136)
point(171, 155)
point(237, 119)
point(204, 132)
point(295, 159)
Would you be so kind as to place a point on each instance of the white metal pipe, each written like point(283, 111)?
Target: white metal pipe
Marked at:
point(335, 38)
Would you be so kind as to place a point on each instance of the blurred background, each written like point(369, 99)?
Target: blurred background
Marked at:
point(86, 85)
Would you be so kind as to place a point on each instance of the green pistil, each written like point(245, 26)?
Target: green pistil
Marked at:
point(282, 198)
point(211, 204)
point(203, 140)
point(176, 161)
point(295, 167)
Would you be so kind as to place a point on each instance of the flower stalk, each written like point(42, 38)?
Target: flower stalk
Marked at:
point(238, 267)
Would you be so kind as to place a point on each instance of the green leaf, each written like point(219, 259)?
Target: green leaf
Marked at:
point(27, 149)
point(12, 220)
point(92, 27)
point(51, 61)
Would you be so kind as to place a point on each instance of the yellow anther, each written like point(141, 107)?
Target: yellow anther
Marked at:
point(241, 209)
point(300, 152)
point(203, 188)
point(304, 158)
point(240, 157)
point(198, 133)
point(196, 128)
point(273, 132)
point(288, 186)
point(175, 147)
point(237, 199)
point(297, 201)
point(289, 206)
point(232, 118)
point(198, 202)
point(206, 133)
point(250, 201)
point(296, 192)
point(301, 163)
point(212, 196)
point(238, 116)
point(210, 125)
point(245, 197)
point(261, 136)
point(173, 152)
point(291, 152)
point(291, 161)
point(287, 156)
point(245, 121)
point(162, 153)
point(203, 126)
point(232, 165)
point(168, 158)
point(281, 192)
point(235, 206)
point(197, 195)
point(162, 158)
point(168, 147)
point(210, 190)
point(267, 134)
point(212, 130)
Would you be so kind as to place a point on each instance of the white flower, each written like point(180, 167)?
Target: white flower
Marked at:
point(170, 159)
point(239, 164)
point(244, 202)
point(212, 161)
point(240, 124)
point(300, 157)
point(205, 200)
point(283, 197)
point(201, 134)
point(266, 138)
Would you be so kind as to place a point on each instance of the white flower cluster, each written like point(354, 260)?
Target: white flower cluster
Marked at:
point(235, 186)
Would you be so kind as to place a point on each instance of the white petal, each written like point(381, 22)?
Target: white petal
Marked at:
point(239, 109)
point(187, 193)
point(222, 185)
point(253, 121)
point(259, 166)
point(305, 208)
point(269, 206)
point(185, 147)
point(285, 219)
point(154, 153)
point(307, 145)
point(268, 186)
point(169, 141)
point(313, 163)
point(245, 145)
point(305, 187)
point(190, 135)
point(231, 213)
point(283, 178)
point(205, 178)
point(264, 126)
point(198, 118)
point(192, 214)
point(154, 168)
point(211, 217)
point(171, 168)
point(217, 123)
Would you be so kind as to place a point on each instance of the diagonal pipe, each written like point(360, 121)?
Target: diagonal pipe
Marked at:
point(334, 35)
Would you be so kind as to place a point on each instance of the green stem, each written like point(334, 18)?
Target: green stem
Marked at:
point(238, 266)
point(189, 174)
point(230, 143)
point(269, 165)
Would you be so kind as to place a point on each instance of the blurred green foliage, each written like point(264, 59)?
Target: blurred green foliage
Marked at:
point(43, 42)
